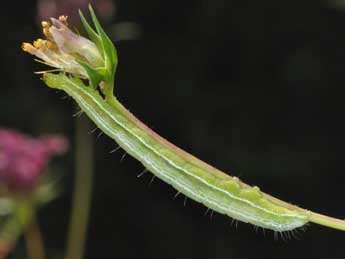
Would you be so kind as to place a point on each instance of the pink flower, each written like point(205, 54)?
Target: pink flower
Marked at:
point(23, 159)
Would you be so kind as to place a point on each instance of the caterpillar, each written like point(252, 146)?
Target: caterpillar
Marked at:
point(187, 174)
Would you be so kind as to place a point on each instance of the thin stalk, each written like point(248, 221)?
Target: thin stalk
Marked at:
point(327, 221)
point(82, 191)
point(34, 240)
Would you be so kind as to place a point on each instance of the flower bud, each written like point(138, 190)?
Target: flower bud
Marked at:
point(75, 45)
point(94, 59)
point(64, 49)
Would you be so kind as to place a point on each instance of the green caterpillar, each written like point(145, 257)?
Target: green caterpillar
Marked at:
point(186, 173)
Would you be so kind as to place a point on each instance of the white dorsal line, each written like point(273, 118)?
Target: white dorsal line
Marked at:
point(110, 130)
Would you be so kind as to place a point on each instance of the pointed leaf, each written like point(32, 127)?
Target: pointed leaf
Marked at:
point(108, 46)
point(92, 34)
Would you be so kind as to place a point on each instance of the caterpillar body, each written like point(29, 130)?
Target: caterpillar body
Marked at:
point(187, 174)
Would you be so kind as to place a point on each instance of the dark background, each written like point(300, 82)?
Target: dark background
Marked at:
point(255, 88)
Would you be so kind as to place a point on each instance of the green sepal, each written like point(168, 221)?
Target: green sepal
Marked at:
point(109, 51)
point(106, 47)
point(92, 34)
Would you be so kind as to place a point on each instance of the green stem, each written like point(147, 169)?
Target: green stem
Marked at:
point(327, 221)
point(34, 241)
point(82, 191)
point(14, 226)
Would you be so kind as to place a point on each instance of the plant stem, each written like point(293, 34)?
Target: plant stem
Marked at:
point(82, 191)
point(327, 221)
point(15, 225)
point(34, 241)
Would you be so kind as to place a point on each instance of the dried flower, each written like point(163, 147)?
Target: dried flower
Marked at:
point(23, 159)
point(63, 48)
point(94, 59)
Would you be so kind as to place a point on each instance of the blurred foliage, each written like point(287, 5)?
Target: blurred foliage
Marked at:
point(253, 87)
